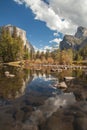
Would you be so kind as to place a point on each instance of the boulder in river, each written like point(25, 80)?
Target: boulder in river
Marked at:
point(69, 78)
point(7, 74)
point(62, 85)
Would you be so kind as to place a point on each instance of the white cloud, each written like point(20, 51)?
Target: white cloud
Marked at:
point(44, 49)
point(74, 11)
point(59, 15)
point(50, 48)
point(47, 14)
point(56, 34)
point(56, 40)
point(47, 48)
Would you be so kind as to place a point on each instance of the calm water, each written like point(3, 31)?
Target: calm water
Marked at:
point(29, 100)
point(26, 82)
point(36, 83)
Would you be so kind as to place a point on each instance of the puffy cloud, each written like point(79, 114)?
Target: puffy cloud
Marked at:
point(72, 10)
point(46, 13)
point(56, 40)
point(44, 49)
point(50, 48)
point(59, 15)
point(56, 34)
point(47, 48)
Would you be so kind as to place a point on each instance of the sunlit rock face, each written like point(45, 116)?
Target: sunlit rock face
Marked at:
point(70, 42)
point(76, 41)
point(20, 33)
point(81, 32)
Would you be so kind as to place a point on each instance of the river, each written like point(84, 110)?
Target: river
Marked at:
point(29, 100)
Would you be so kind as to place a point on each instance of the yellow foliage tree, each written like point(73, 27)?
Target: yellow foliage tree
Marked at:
point(50, 60)
point(38, 61)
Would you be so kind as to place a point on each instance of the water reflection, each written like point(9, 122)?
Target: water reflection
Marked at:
point(42, 85)
point(36, 83)
point(40, 104)
point(11, 88)
point(14, 87)
point(50, 106)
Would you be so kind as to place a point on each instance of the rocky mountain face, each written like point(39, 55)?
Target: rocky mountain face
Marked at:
point(22, 33)
point(75, 42)
point(81, 32)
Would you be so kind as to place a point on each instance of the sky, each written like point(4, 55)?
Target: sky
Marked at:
point(45, 21)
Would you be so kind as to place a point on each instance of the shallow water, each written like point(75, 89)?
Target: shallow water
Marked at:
point(31, 100)
point(25, 82)
point(36, 83)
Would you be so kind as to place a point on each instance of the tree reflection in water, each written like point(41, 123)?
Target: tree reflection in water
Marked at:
point(11, 88)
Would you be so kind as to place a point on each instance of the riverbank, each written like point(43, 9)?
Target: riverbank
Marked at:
point(53, 67)
point(15, 64)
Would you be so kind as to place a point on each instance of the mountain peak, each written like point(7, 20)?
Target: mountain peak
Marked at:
point(75, 42)
point(81, 32)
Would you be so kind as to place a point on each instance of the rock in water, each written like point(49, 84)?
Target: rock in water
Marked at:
point(6, 73)
point(69, 78)
point(62, 85)
point(11, 75)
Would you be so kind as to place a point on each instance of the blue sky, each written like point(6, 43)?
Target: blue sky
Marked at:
point(45, 21)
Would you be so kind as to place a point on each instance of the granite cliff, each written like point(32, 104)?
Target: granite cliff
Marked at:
point(75, 42)
point(22, 33)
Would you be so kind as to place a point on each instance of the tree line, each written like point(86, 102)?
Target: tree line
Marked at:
point(66, 56)
point(54, 57)
point(13, 49)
